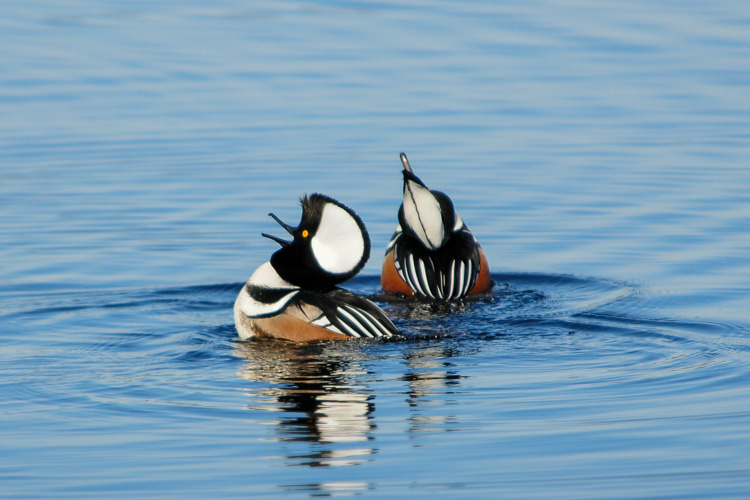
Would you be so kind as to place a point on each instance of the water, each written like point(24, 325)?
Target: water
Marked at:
point(598, 150)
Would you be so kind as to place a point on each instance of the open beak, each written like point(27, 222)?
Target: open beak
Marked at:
point(289, 229)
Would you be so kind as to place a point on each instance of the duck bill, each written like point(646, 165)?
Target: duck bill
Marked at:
point(289, 229)
point(405, 162)
point(409, 173)
point(278, 240)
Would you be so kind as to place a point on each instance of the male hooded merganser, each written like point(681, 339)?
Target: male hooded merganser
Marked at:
point(432, 254)
point(294, 296)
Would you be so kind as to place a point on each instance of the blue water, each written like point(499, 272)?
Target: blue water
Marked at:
point(598, 150)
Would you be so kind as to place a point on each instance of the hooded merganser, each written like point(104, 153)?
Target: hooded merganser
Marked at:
point(432, 254)
point(294, 296)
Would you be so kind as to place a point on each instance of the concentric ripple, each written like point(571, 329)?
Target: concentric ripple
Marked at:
point(542, 362)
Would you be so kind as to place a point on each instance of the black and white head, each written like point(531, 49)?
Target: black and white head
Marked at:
point(330, 245)
point(428, 216)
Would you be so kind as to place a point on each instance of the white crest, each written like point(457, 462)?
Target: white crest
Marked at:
point(423, 215)
point(338, 244)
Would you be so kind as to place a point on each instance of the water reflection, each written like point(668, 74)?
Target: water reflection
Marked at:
point(323, 404)
point(332, 489)
point(432, 381)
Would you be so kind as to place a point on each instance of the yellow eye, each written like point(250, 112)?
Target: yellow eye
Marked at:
point(305, 233)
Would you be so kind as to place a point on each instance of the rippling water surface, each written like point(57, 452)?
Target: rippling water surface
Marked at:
point(598, 150)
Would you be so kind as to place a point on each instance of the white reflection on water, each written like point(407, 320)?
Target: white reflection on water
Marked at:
point(318, 396)
point(322, 396)
point(331, 488)
point(431, 379)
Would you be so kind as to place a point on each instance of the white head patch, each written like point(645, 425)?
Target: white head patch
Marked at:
point(423, 214)
point(338, 244)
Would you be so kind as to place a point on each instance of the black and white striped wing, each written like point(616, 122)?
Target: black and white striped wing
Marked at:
point(460, 278)
point(349, 314)
point(420, 273)
point(448, 274)
point(452, 281)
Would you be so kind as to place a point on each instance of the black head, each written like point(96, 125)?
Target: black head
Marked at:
point(330, 245)
point(427, 216)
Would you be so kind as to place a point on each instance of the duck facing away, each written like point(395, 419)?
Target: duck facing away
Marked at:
point(295, 295)
point(432, 254)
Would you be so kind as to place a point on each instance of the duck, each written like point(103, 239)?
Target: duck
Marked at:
point(432, 255)
point(295, 295)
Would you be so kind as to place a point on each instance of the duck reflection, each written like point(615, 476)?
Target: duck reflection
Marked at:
point(316, 388)
point(432, 380)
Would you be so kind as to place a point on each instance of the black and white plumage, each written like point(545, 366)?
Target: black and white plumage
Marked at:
point(435, 276)
point(295, 296)
point(330, 245)
point(432, 253)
